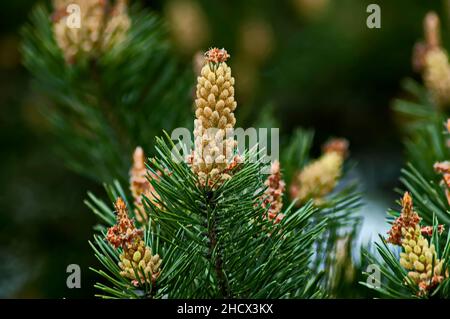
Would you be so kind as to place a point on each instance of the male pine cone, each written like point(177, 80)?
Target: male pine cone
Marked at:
point(437, 76)
point(213, 127)
point(139, 258)
point(273, 195)
point(418, 256)
point(320, 177)
point(101, 26)
point(137, 262)
point(431, 59)
point(140, 185)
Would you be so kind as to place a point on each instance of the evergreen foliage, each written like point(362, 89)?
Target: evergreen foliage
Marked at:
point(108, 104)
point(207, 240)
point(216, 243)
point(427, 149)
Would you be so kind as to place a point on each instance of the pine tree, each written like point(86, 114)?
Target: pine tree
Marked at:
point(419, 268)
point(108, 84)
point(211, 225)
point(216, 226)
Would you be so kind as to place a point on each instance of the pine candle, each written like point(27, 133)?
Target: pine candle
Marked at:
point(214, 143)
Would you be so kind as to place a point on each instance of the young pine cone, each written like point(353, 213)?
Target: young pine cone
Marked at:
point(417, 256)
point(437, 76)
point(320, 177)
point(141, 259)
point(431, 26)
point(407, 219)
point(140, 185)
point(136, 255)
point(214, 142)
point(431, 60)
point(100, 28)
point(273, 196)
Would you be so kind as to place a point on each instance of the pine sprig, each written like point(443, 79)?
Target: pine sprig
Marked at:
point(339, 207)
point(395, 281)
point(107, 105)
point(425, 143)
point(216, 243)
point(429, 196)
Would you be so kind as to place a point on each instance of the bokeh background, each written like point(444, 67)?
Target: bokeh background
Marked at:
point(310, 63)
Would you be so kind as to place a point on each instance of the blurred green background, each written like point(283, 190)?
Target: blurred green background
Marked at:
point(312, 63)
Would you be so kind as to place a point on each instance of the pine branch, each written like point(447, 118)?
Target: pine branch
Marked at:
point(396, 283)
point(422, 269)
point(216, 243)
point(107, 104)
point(339, 207)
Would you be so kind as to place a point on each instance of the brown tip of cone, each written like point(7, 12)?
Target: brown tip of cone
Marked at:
point(138, 158)
point(407, 199)
point(120, 204)
point(216, 55)
point(338, 145)
point(432, 30)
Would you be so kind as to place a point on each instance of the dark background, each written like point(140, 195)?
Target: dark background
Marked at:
point(318, 66)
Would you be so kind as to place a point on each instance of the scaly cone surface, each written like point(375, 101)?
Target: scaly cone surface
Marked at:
point(213, 127)
point(273, 196)
point(136, 258)
point(418, 256)
point(320, 177)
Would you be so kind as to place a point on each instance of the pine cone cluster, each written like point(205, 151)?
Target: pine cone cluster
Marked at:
point(213, 127)
point(102, 26)
point(431, 27)
point(320, 177)
point(136, 257)
point(140, 185)
point(139, 259)
point(124, 233)
point(437, 75)
point(407, 219)
point(431, 60)
point(273, 195)
point(418, 255)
